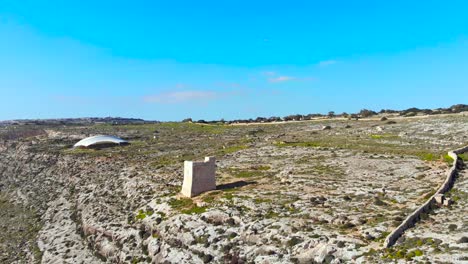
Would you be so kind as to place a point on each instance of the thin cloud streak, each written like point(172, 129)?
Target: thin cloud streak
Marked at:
point(282, 79)
point(327, 63)
point(274, 77)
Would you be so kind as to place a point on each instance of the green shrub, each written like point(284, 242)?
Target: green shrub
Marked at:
point(400, 254)
point(141, 215)
point(463, 156)
point(448, 159)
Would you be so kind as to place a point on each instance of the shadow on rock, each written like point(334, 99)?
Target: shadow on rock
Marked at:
point(236, 184)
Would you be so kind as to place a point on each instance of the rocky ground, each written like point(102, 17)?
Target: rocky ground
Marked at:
point(442, 237)
point(287, 193)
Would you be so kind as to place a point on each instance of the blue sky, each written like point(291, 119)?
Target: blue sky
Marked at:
point(168, 60)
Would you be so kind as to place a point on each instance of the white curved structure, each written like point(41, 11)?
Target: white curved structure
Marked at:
point(99, 140)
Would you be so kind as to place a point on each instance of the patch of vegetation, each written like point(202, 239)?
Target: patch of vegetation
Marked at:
point(382, 236)
point(162, 215)
point(429, 194)
point(232, 235)
point(211, 197)
point(371, 252)
point(449, 160)
point(232, 149)
point(393, 253)
point(308, 159)
point(228, 196)
point(427, 156)
point(408, 249)
point(186, 206)
point(261, 200)
point(180, 203)
point(456, 194)
point(248, 173)
point(384, 136)
point(141, 215)
point(463, 156)
point(162, 161)
point(21, 235)
point(328, 169)
point(84, 151)
point(194, 210)
point(362, 144)
point(263, 167)
point(297, 144)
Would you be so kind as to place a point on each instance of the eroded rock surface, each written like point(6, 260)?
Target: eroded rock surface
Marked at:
point(287, 193)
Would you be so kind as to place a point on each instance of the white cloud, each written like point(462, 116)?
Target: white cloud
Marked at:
point(274, 77)
point(327, 63)
point(282, 79)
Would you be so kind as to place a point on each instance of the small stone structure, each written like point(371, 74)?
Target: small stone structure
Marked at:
point(439, 198)
point(199, 177)
point(448, 201)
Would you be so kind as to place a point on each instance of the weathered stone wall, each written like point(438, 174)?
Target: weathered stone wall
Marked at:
point(415, 216)
point(199, 177)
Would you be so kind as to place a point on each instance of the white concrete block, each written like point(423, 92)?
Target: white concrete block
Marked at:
point(199, 177)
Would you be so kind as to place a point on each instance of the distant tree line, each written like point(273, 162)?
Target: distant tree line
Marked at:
point(364, 113)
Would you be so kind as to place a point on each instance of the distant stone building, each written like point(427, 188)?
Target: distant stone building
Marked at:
point(199, 177)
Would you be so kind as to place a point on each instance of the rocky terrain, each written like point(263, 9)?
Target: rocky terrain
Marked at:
point(316, 191)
